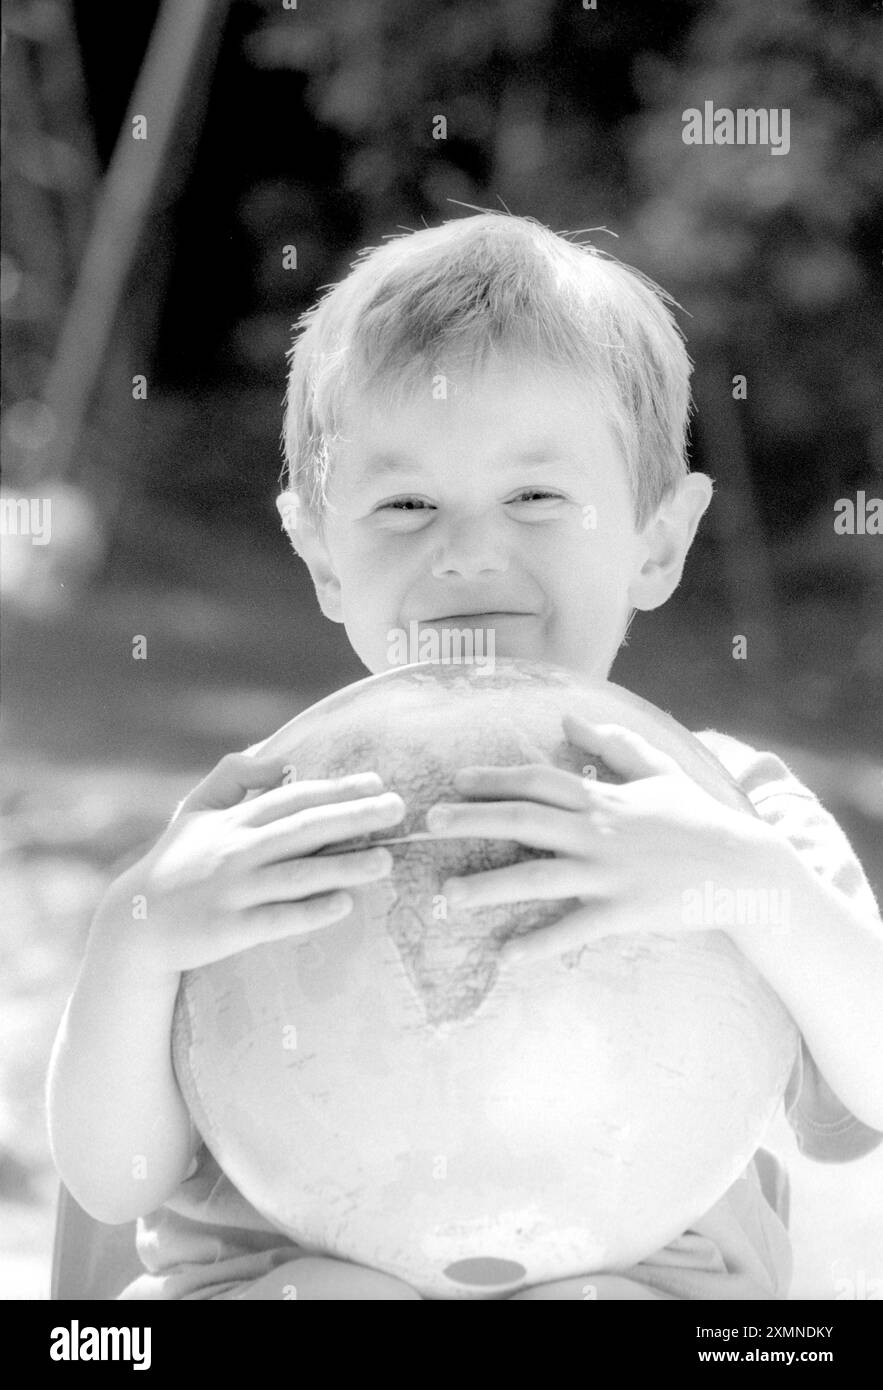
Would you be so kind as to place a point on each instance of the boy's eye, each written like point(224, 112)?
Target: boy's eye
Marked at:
point(414, 503)
point(537, 492)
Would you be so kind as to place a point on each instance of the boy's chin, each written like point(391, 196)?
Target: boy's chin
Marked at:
point(513, 641)
point(588, 665)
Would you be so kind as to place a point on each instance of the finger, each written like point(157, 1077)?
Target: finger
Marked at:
point(296, 879)
point(578, 931)
point(230, 779)
point(275, 921)
point(628, 753)
point(527, 822)
point(317, 826)
point(530, 880)
point(539, 782)
point(297, 796)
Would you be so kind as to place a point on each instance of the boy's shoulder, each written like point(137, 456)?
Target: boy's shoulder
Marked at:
point(760, 773)
point(797, 812)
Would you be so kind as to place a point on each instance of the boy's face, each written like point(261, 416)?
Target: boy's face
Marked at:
point(505, 506)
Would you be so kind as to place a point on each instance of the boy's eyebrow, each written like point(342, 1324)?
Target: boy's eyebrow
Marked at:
point(386, 462)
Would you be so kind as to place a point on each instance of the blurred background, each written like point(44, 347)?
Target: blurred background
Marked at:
point(148, 299)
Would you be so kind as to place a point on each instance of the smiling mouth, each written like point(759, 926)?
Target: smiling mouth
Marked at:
point(470, 617)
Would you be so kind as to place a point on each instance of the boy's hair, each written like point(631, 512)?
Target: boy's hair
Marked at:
point(473, 287)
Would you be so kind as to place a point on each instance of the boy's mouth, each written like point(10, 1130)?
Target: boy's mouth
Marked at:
point(472, 617)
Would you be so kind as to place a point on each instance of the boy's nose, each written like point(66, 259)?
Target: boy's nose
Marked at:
point(469, 547)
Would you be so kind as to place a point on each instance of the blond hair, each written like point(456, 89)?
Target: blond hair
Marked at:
point(473, 287)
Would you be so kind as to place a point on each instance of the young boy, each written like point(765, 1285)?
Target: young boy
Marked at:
point(485, 422)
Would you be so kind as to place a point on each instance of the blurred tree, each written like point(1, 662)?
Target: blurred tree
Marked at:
point(50, 174)
point(50, 178)
point(777, 256)
point(54, 439)
point(533, 93)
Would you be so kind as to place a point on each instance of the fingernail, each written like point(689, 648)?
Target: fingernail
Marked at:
point(437, 817)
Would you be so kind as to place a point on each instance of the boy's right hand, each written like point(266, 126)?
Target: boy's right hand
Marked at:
point(231, 873)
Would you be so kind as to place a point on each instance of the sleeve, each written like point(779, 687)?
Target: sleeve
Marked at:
point(824, 1128)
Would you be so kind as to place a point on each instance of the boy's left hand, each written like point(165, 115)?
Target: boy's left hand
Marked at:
point(628, 853)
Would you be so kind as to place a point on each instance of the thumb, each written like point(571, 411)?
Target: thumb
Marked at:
point(231, 778)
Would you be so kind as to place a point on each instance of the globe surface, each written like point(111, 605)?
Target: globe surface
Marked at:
point(390, 1091)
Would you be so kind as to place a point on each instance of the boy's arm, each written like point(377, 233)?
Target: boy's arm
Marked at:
point(825, 960)
point(120, 1133)
point(826, 965)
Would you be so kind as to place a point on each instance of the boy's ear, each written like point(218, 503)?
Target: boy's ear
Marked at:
point(666, 540)
point(310, 546)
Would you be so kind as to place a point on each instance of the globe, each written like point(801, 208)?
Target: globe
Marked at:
point(392, 1091)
